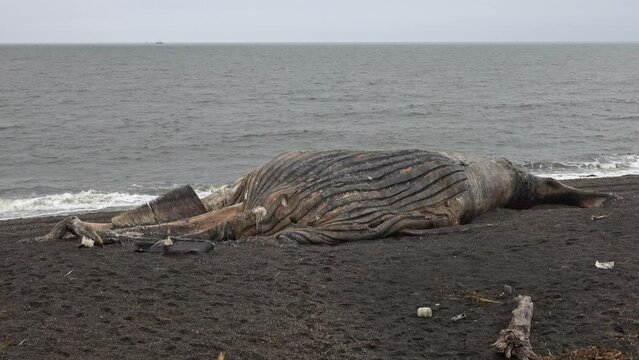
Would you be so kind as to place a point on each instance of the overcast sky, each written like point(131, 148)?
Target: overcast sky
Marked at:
point(98, 21)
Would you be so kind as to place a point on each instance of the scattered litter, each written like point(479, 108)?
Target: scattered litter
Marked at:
point(458, 317)
point(111, 241)
point(473, 296)
point(167, 241)
point(508, 289)
point(598, 217)
point(605, 264)
point(69, 273)
point(594, 353)
point(22, 342)
point(424, 312)
point(86, 242)
point(179, 246)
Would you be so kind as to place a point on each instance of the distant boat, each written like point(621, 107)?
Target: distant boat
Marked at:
point(159, 43)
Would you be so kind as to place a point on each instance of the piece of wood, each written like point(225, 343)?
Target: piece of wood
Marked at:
point(514, 340)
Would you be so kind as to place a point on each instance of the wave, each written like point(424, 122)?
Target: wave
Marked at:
point(623, 118)
point(82, 201)
point(600, 165)
point(9, 127)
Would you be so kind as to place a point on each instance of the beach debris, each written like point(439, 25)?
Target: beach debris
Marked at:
point(424, 312)
point(220, 356)
point(460, 229)
point(86, 242)
point(592, 353)
point(514, 340)
point(69, 273)
point(22, 342)
point(175, 246)
point(458, 317)
point(476, 297)
point(629, 338)
point(605, 264)
point(4, 344)
point(597, 217)
point(508, 290)
point(3, 313)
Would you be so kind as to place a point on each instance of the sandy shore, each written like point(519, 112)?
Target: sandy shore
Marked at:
point(352, 301)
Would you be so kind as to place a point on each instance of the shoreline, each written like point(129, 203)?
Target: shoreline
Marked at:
point(351, 301)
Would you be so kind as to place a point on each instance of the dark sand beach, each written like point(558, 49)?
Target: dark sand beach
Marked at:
point(352, 301)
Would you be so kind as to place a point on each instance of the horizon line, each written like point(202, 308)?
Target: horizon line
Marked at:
point(453, 42)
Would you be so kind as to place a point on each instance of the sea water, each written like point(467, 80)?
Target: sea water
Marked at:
point(87, 127)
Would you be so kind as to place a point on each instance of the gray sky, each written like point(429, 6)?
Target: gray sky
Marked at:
point(46, 21)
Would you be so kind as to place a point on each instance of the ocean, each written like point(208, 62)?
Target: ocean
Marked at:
point(88, 127)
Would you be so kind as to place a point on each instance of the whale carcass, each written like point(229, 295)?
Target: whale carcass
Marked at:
point(329, 197)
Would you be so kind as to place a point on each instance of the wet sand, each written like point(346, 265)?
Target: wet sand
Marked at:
point(352, 301)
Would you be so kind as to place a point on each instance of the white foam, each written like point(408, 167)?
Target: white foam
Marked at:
point(206, 190)
point(593, 166)
point(583, 175)
point(83, 201)
point(67, 203)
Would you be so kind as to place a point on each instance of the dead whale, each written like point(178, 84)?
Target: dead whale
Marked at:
point(329, 197)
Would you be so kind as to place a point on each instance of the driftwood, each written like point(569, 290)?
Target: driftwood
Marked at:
point(514, 340)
